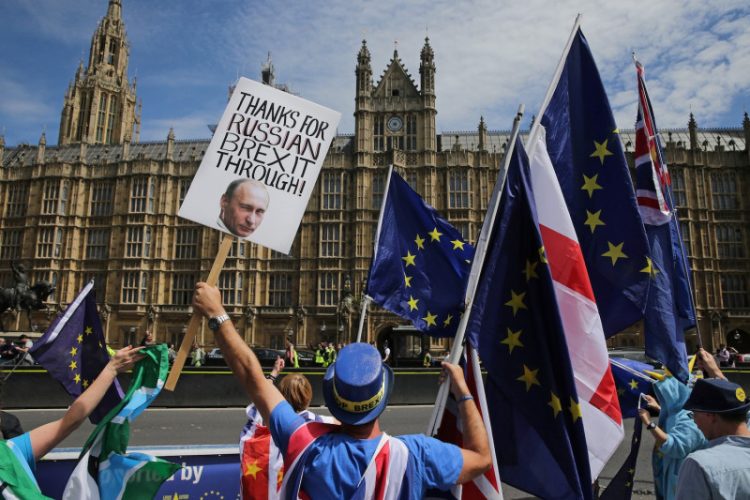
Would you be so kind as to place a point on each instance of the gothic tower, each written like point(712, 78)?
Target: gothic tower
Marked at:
point(100, 104)
point(394, 114)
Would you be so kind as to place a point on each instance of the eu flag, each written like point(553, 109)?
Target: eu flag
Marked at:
point(515, 322)
point(669, 310)
point(631, 380)
point(421, 262)
point(73, 351)
point(621, 486)
point(585, 148)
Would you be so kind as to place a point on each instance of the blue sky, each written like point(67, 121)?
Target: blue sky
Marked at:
point(490, 55)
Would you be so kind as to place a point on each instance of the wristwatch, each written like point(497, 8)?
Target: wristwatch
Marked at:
point(215, 322)
point(651, 426)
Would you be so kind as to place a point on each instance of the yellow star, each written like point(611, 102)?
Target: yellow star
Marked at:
point(554, 402)
point(409, 259)
point(252, 469)
point(615, 252)
point(73, 351)
point(447, 321)
point(412, 303)
point(512, 340)
point(516, 301)
point(529, 377)
point(650, 268)
point(430, 319)
point(80, 338)
point(590, 185)
point(633, 384)
point(407, 280)
point(542, 256)
point(593, 220)
point(89, 330)
point(616, 131)
point(77, 378)
point(620, 391)
point(601, 151)
point(458, 244)
point(73, 365)
point(575, 410)
point(530, 271)
point(420, 242)
point(435, 235)
point(85, 383)
point(279, 478)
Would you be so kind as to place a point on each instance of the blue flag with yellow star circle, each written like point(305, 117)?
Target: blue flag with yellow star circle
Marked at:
point(73, 350)
point(537, 422)
point(421, 263)
point(584, 146)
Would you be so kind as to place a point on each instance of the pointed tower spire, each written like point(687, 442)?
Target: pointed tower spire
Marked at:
point(41, 148)
point(363, 100)
point(483, 138)
point(746, 128)
point(267, 71)
point(427, 88)
point(100, 108)
point(693, 131)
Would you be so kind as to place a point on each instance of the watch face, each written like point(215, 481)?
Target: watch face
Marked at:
point(213, 324)
point(395, 124)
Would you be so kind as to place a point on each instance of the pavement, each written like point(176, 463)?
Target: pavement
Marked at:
point(221, 426)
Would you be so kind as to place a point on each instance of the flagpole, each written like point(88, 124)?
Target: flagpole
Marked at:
point(536, 127)
point(367, 299)
point(476, 267)
point(365, 302)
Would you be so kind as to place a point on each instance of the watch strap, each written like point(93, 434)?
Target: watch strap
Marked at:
point(215, 322)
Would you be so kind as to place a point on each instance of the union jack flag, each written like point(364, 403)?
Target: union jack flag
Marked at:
point(654, 196)
point(669, 307)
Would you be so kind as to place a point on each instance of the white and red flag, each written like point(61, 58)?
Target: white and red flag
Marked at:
point(600, 409)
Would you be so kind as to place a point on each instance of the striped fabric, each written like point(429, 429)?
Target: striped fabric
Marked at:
point(386, 476)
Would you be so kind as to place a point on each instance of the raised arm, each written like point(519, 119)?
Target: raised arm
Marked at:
point(47, 436)
point(239, 357)
point(707, 363)
point(476, 449)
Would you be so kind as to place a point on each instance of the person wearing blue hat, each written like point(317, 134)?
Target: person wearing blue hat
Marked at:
point(722, 469)
point(354, 459)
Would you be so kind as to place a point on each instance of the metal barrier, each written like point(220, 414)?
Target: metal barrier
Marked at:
point(31, 387)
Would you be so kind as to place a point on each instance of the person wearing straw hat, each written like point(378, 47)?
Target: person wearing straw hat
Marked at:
point(722, 469)
point(354, 459)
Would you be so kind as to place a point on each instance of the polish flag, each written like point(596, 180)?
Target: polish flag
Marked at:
point(600, 409)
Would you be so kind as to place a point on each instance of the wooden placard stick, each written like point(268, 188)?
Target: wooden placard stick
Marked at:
point(195, 319)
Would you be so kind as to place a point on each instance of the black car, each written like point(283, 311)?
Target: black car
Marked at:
point(267, 357)
point(306, 358)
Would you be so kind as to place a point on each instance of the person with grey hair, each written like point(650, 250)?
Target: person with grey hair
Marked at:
point(242, 207)
point(722, 469)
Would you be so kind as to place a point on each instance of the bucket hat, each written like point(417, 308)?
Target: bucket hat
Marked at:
point(715, 395)
point(357, 386)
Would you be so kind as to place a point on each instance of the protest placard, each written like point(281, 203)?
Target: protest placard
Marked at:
point(260, 168)
point(256, 176)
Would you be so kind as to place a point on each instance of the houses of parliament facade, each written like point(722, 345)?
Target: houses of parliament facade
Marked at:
point(102, 205)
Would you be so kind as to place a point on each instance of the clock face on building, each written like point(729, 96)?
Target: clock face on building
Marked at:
point(395, 123)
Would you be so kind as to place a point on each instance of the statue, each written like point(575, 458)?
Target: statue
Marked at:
point(22, 296)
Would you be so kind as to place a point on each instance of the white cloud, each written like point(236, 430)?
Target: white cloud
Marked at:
point(490, 55)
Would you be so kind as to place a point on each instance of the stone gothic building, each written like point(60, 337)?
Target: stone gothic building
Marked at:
point(102, 205)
